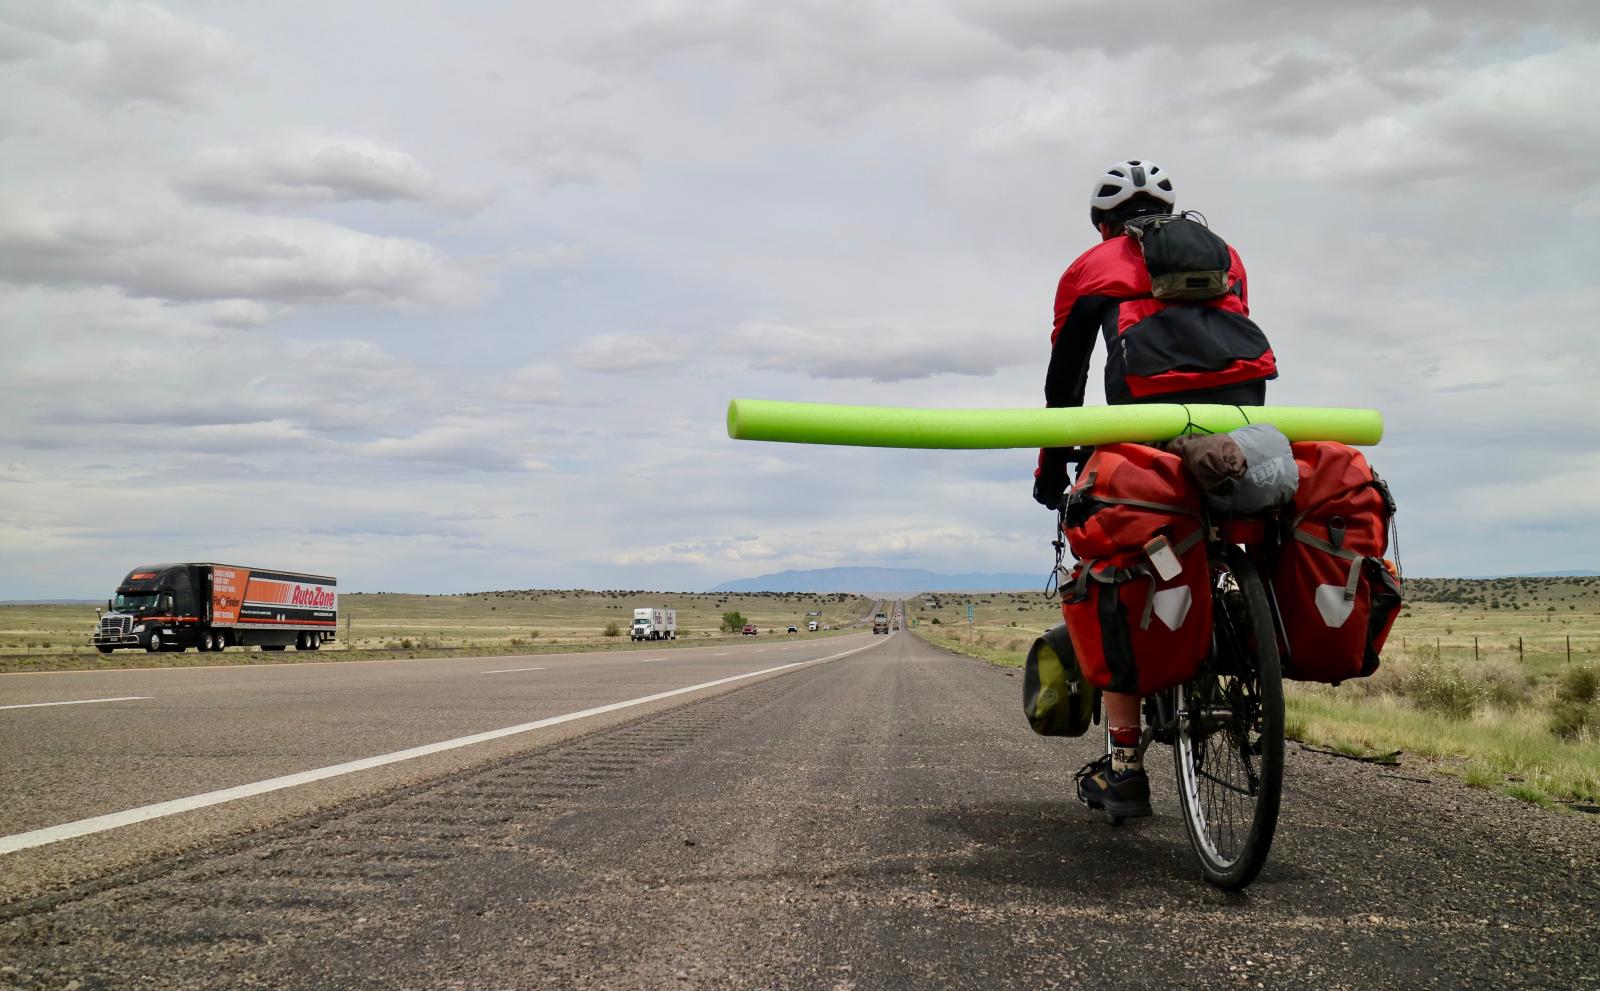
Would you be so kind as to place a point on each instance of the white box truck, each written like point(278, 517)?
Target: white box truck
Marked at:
point(654, 624)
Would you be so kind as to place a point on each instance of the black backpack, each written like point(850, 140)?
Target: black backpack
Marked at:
point(1185, 260)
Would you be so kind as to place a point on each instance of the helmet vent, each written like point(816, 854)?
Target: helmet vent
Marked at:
point(1165, 184)
point(1109, 190)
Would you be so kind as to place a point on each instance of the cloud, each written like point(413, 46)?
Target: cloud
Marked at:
point(711, 550)
point(119, 53)
point(628, 353)
point(541, 384)
point(1527, 117)
point(309, 169)
point(1405, 31)
point(565, 152)
point(875, 353)
point(830, 62)
point(192, 255)
point(462, 443)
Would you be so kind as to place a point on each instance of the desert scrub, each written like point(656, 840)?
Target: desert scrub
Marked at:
point(1575, 713)
point(1449, 691)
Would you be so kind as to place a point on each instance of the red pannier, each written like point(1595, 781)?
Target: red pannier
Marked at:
point(1337, 594)
point(1138, 603)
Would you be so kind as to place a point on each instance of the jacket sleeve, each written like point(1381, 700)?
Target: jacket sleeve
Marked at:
point(1077, 324)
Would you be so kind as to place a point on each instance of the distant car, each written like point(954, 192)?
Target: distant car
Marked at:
point(750, 630)
point(793, 628)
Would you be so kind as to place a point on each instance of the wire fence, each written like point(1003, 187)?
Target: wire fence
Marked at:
point(1524, 649)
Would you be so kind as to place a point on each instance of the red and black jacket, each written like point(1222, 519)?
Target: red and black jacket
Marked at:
point(1155, 349)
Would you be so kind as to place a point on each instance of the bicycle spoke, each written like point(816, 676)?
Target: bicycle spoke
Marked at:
point(1221, 783)
point(1229, 771)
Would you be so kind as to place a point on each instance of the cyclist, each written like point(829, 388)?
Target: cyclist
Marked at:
point(1192, 351)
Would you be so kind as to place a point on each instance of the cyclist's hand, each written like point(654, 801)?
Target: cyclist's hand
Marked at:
point(1048, 493)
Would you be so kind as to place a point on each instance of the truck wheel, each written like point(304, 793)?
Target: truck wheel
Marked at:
point(219, 642)
point(154, 645)
point(314, 641)
point(203, 645)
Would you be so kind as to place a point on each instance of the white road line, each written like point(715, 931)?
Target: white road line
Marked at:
point(647, 660)
point(720, 653)
point(39, 705)
point(99, 824)
point(510, 670)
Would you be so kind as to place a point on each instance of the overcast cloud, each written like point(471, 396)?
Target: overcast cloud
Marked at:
point(445, 300)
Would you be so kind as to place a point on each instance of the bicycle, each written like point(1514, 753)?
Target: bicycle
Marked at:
point(1225, 724)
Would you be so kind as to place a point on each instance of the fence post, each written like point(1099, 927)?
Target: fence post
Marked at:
point(1436, 655)
point(1569, 648)
point(1474, 648)
point(1520, 658)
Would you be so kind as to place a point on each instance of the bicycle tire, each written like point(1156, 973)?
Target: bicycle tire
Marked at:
point(1242, 711)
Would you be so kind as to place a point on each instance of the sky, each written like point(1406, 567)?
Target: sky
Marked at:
point(452, 297)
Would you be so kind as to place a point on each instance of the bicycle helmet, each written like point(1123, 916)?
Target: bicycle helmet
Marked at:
point(1124, 182)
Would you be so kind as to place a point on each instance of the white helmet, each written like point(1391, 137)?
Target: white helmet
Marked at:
point(1125, 180)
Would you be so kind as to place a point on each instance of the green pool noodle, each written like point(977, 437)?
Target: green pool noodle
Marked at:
point(976, 429)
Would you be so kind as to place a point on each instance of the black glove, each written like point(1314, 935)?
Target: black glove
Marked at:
point(1050, 481)
point(1048, 493)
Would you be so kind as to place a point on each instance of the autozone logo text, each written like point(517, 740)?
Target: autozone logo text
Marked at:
point(313, 597)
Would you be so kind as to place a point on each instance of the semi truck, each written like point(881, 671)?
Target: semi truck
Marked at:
point(880, 623)
point(655, 624)
point(212, 607)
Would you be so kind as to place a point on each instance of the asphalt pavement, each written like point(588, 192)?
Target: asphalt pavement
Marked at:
point(879, 820)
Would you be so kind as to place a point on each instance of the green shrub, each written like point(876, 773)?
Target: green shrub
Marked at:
point(1448, 691)
point(611, 630)
point(1573, 720)
point(732, 621)
point(1506, 686)
point(1580, 685)
point(406, 643)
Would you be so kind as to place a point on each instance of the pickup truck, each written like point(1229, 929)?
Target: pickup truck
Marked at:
point(750, 630)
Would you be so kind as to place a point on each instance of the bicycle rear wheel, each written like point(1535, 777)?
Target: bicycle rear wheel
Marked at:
point(1229, 747)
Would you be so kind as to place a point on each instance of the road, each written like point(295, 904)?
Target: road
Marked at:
point(878, 820)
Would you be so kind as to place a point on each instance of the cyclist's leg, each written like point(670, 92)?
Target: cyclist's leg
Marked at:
point(1117, 782)
point(1122, 719)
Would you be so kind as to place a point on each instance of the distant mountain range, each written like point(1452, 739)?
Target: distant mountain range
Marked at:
point(1574, 573)
point(884, 582)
